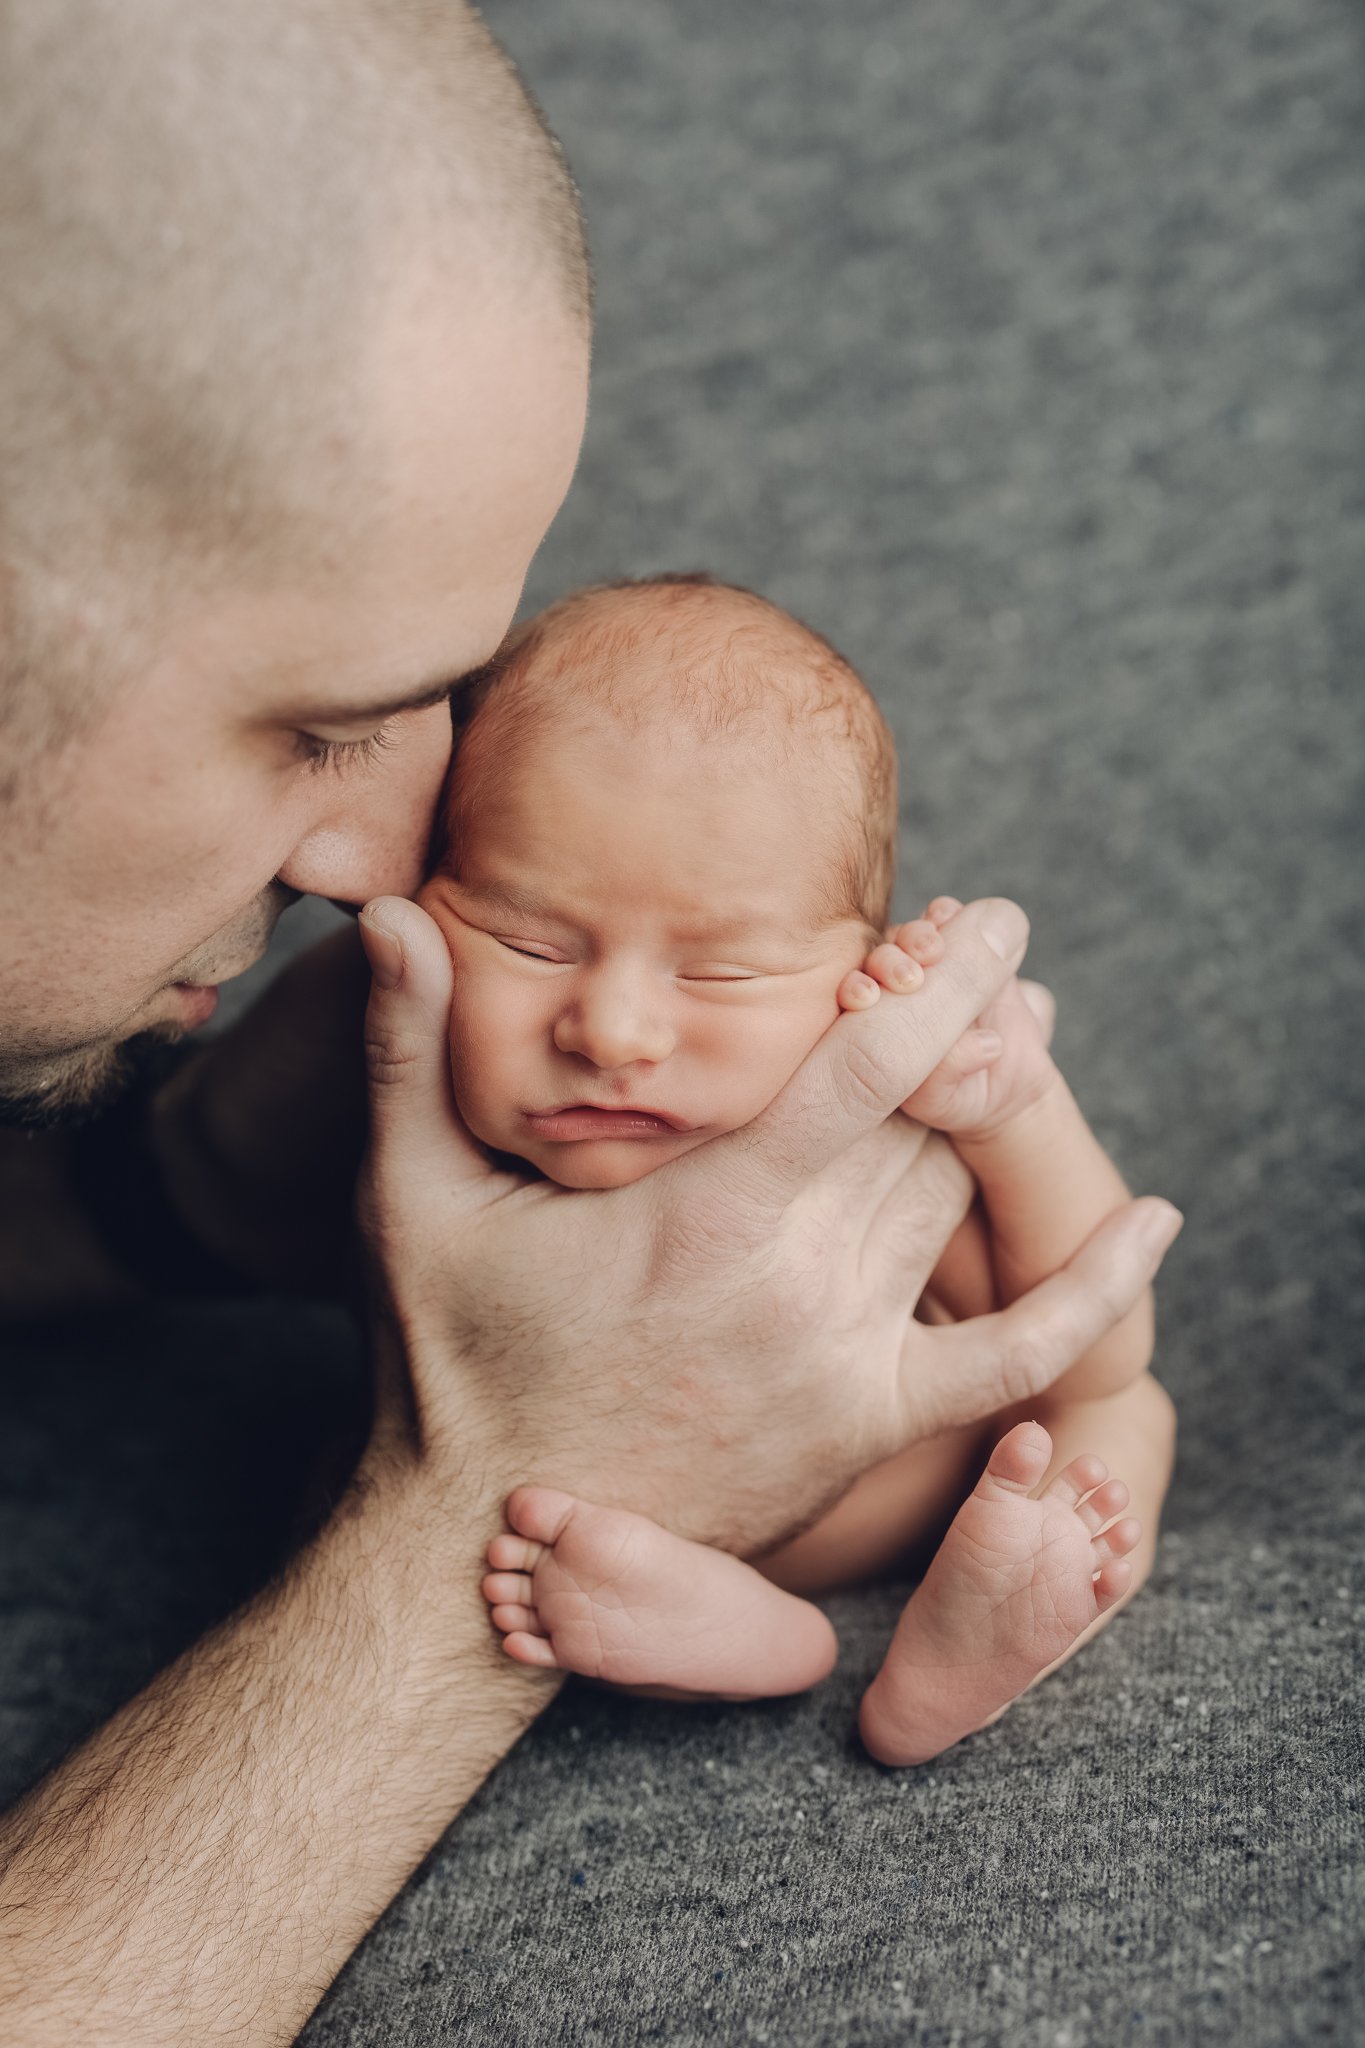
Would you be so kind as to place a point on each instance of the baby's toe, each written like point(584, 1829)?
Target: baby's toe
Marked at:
point(529, 1649)
point(1111, 1583)
point(540, 1513)
point(1103, 1504)
point(509, 1586)
point(510, 1616)
point(1077, 1479)
point(1018, 1461)
point(514, 1554)
point(1118, 1541)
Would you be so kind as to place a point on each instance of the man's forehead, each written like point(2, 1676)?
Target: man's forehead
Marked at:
point(312, 654)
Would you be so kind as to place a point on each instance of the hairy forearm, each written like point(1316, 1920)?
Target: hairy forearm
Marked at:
point(1046, 1184)
point(200, 1868)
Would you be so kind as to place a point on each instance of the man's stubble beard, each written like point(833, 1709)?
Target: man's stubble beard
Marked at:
point(66, 1089)
point(41, 1089)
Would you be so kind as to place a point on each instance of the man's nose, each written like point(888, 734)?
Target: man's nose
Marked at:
point(372, 836)
point(613, 1023)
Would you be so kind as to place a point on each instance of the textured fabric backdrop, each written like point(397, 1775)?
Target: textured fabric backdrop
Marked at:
point(1020, 349)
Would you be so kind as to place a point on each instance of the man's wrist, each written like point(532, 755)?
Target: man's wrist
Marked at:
point(426, 1520)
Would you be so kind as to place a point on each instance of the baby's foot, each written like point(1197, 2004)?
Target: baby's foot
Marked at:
point(1015, 1582)
point(613, 1596)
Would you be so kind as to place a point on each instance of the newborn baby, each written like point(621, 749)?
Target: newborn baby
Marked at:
point(667, 864)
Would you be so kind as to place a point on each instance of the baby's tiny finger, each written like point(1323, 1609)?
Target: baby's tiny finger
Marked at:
point(894, 969)
point(858, 991)
point(943, 910)
point(1043, 1004)
point(987, 1045)
point(977, 1049)
point(973, 1051)
point(921, 939)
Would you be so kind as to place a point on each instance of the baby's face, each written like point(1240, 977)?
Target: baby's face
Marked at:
point(642, 954)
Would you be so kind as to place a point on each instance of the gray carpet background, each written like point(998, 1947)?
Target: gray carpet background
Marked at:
point(1020, 349)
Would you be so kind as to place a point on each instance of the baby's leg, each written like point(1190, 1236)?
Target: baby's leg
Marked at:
point(613, 1596)
point(1034, 1562)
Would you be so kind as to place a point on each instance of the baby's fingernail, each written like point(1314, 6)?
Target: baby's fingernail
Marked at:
point(1004, 927)
point(990, 1044)
point(942, 908)
point(906, 973)
point(861, 990)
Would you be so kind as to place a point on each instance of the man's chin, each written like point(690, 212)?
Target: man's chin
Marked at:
point(71, 1088)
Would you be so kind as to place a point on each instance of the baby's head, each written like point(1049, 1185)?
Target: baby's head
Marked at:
point(669, 834)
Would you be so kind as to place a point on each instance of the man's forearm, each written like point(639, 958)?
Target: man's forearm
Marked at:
point(1047, 1183)
point(200, 1869)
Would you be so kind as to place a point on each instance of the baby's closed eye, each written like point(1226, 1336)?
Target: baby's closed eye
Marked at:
point(529, 949)
point(722, 974)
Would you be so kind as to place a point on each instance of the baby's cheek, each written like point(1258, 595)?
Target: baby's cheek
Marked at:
point(489, 1083)
point(763, 1058)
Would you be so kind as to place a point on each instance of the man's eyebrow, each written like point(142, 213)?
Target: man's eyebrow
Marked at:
point(419, 699)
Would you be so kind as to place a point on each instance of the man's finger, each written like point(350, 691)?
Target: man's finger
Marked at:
point(919, 1216)
point(868, 1063)
point(990, 1363)
point(415, 1129)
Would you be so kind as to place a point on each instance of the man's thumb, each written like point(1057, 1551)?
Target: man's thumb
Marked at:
point(414, 1125)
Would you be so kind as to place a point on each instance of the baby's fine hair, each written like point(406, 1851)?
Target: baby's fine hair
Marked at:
point(770, 675)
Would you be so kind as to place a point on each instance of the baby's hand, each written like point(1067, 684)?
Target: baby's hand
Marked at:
point(998, 1068)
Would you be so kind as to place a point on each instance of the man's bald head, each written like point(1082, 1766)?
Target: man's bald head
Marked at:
point(213, 216)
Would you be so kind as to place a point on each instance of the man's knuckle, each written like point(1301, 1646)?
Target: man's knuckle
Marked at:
point(866, 1079)
point(1028, 1365)
point(389, 1058)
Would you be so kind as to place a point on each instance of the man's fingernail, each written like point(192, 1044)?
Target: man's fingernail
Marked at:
point(1004, 927)
point(1160, 1229)
point(383, 950)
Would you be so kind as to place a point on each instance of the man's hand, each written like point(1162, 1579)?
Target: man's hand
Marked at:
point(729, 1341)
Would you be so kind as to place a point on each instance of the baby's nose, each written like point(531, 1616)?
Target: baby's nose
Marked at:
point(613, 1032)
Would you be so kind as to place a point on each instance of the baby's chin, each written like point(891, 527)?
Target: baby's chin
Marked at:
point(596, 1162)
point(609, 1162)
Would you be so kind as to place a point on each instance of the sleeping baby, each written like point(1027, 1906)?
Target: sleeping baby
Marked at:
point(667, 862)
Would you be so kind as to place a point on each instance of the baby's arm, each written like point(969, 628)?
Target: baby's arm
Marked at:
point(1046, 1182)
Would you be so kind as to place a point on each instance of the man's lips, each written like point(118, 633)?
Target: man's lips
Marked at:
point(197, 999)
point(586, 1120)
